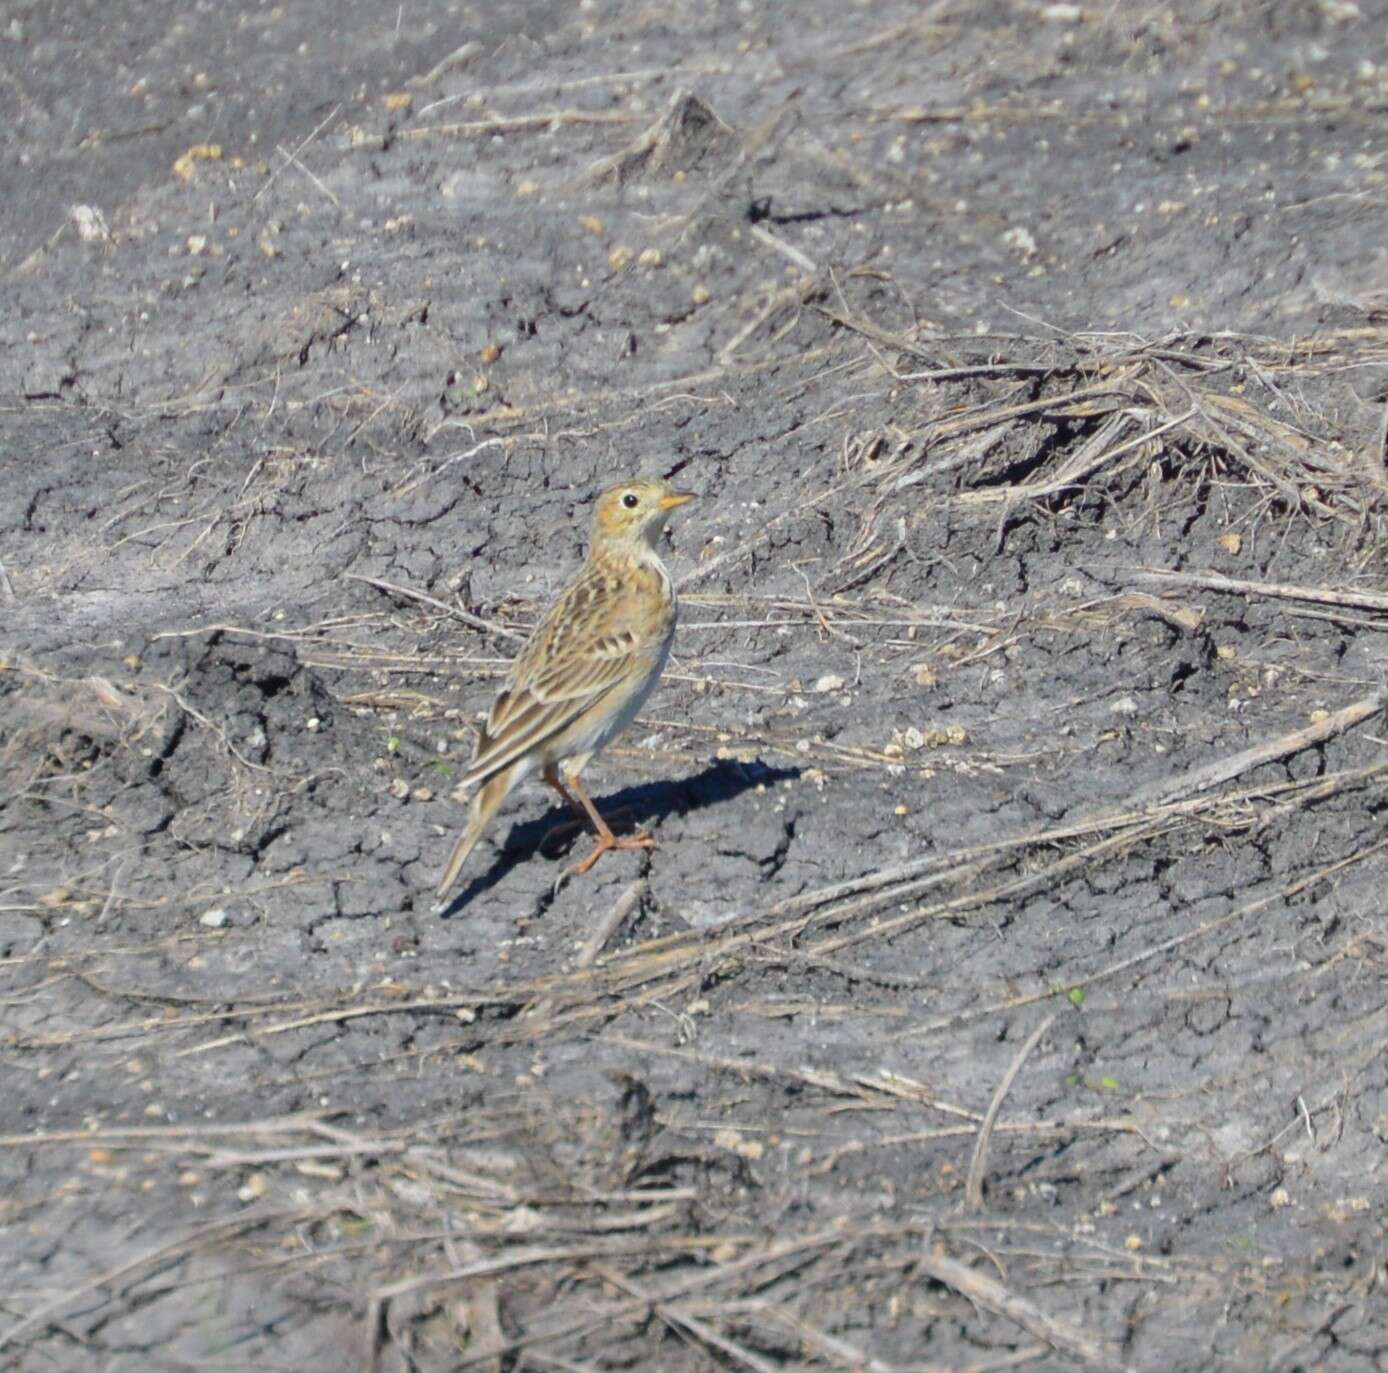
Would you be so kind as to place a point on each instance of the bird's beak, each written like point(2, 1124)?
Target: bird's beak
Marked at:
point(679, 498)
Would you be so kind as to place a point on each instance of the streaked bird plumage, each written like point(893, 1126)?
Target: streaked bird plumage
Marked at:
point(584, 673)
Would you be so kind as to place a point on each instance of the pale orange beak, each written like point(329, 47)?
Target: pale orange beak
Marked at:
point(679, 498)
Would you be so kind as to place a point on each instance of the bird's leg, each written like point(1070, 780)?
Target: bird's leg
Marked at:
point(565, 829)
point(552, 778)
point(606, 839)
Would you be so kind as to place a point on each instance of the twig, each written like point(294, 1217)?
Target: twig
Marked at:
point(989, 369)
point(993, 1296)
point(516, 123)
point(794, 1249)
point(1278, 897)
point(111, 897)
point(1087, 461)
point(745, 1069)
point(519, 1258)
point(275, 1125)
point(787, 250)
point(208, 725)
point(610, 923)
point(821, 619)
point(1178, 616)
point(1026, 1354)
point(701, 574)
point(476, 621)
point(333, 1015)
point(1013, 889)
point(384, 405)
point(1212, 581)
point(636, 76)
point(409, 485)
point(826, 1344)
point(1073, 403)
point(593, 945)
point(678, 1318)
point(258, 1158)
point(923, 873)
point(1225, 404)
point(1225, 769)
point(973, 1187)
point(294, 156)
point(5, 585)
point(504, 1263)
point(876, 334)
point(222, 1229)
point(794, 295)
point(827, 1162)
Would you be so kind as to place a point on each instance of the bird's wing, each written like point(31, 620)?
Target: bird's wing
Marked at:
point(585, 648)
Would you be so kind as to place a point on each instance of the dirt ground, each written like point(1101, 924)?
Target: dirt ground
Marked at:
point(1008, 987)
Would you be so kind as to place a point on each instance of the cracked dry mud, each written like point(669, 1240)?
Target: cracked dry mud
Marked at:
point(1030, 363)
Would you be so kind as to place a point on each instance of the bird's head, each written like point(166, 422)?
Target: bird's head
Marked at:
point(634, 512)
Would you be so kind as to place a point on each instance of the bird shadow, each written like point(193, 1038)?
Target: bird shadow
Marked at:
point(555, 832)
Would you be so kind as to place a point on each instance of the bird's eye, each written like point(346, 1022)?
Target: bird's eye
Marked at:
point(630, 501)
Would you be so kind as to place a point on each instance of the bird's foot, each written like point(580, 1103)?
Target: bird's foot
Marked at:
point(561, 834)
point(640, 839)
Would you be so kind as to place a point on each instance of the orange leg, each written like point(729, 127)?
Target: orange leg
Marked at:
point(562, 831)
point(606, 839)
point(552, 778)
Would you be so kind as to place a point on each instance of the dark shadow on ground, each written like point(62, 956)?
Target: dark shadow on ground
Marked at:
point(556, 831)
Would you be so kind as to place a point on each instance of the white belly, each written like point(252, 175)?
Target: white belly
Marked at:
point(605, 730)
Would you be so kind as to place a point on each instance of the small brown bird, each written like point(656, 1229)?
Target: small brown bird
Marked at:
point(584, 673)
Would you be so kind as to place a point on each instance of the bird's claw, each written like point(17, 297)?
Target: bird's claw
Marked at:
point(640, 839)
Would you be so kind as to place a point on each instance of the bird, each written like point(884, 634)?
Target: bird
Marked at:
point(584, 673)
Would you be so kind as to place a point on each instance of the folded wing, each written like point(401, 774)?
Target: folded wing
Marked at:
point(558, 677)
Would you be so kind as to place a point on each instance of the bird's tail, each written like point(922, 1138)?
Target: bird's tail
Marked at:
point(485, 804)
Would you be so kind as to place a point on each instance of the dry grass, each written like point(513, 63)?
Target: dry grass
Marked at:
point(480, 1252)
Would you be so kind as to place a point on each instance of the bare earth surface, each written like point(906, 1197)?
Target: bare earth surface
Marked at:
point(1008, 988)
